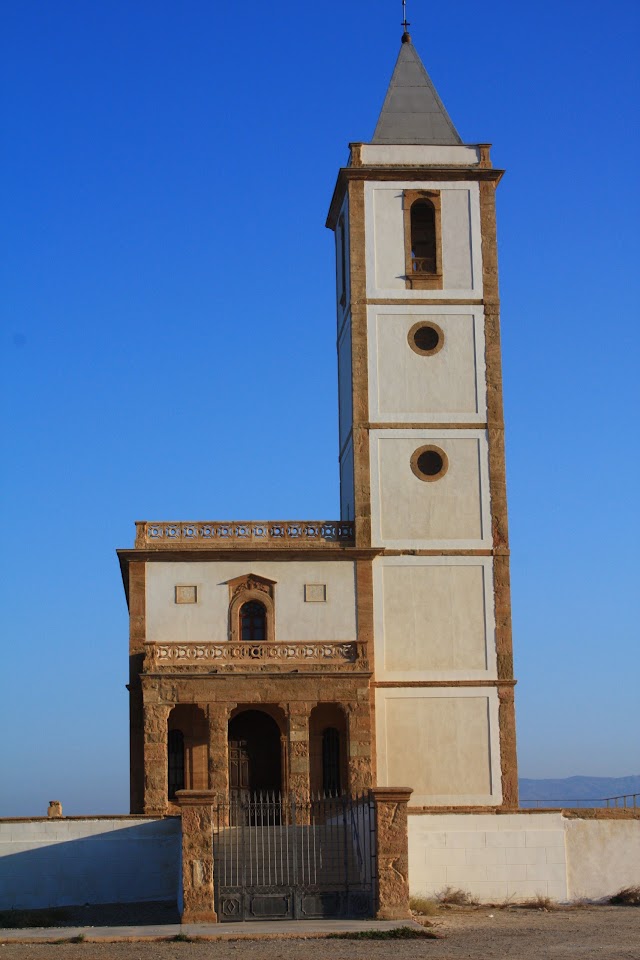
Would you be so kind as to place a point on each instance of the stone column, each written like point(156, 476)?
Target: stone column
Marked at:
point(218, 772)
point(392, 852)
point(155, 757)
point(197, 807)
point(299, 784)
point(360, 747)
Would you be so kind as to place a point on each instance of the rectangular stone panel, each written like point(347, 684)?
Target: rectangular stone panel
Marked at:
point(434, 617)
point(439, 745)
point(186, 594)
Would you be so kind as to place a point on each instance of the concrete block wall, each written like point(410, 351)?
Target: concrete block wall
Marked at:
point(491, 856)
point(73, 861)
point(523, 855)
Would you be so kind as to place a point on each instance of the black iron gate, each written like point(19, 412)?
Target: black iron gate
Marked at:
point(276, 858)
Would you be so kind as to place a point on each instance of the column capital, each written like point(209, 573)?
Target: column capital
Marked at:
point(391, 794)
point(196, 798)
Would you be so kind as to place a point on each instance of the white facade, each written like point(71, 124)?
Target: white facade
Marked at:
point(434, 622)
point(207, 620)
point(461, 240)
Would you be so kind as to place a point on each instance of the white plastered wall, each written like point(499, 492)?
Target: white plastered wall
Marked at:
point(419, 154)
point(342, 305)
point(347, 492)
point(405, 386)
point(491, 856)
point(441, 741)
point(434, 618)
point(461, 240)
point(64, 862)
point(207, 620)
point(603, 856)
point(448, 513)
point(345, 383)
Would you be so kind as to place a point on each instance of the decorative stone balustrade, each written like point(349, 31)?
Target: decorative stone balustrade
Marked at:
point(247, 656)
point(269, 533)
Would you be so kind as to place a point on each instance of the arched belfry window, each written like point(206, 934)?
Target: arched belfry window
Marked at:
point(175, 751)
point(422, 238)
point(253, 621)
point(252, 609)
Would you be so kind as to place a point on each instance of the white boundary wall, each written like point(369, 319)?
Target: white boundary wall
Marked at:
point(73, 861)
point(522, 855)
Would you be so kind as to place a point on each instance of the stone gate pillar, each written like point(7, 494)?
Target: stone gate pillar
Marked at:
point(197, 810)
point(392, 852)
point(155, 757)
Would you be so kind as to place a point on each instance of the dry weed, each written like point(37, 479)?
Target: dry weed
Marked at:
point(453, 897)
point(627, 897)
point(423, 906)
point(539, 902)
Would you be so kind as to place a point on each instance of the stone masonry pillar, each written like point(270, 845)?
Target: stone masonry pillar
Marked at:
point(299, 775)
point(155, 757)
point(218, 733)
point(392, 852)
point(197, 809)
point(360, 748)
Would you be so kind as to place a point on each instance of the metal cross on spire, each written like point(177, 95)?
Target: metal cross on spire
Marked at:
point(405, 22)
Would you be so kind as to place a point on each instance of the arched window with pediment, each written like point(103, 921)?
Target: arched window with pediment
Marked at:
point(251, 609)
point(253, 621)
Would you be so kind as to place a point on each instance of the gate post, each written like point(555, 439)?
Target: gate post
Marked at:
point(196, 807)
point(392, 852)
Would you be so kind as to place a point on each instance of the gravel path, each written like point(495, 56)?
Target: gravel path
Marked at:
point(593, 933)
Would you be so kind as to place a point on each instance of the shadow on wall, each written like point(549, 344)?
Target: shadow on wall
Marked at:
point(57, 863)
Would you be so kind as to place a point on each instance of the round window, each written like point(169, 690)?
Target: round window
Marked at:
point(426, 338)
point(429, 463)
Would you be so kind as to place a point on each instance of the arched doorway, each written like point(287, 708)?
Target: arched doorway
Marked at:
point(255, 761)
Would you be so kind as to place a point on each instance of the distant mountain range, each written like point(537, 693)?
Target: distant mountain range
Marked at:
point(577, 788)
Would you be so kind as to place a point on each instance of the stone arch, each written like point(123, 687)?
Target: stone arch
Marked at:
point(188, 720)
point(255, 752)
point(328, 749)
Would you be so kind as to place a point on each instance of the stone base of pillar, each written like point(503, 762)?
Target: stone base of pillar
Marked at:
point(196, 807)
point(392, 852)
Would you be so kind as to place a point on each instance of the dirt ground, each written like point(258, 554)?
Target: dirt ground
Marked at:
point(591, 933)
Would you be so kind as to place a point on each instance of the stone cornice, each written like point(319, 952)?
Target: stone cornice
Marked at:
point(403, 172)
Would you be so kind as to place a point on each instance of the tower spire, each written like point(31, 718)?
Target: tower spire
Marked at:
point(412, 111)
point(406, 36)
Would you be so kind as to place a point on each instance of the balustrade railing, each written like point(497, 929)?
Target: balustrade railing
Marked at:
point(246, 654)
point(423, 265)
point(270, 533)
point(625, 801)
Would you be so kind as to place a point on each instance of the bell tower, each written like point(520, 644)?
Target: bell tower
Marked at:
point(422, 464)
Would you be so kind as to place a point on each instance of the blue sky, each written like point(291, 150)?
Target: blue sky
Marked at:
point(168, 338)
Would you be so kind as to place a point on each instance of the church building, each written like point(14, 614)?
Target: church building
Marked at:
point(309, 657)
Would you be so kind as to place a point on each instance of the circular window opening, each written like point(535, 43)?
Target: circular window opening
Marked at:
point(429, 463)
point(426, 338)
